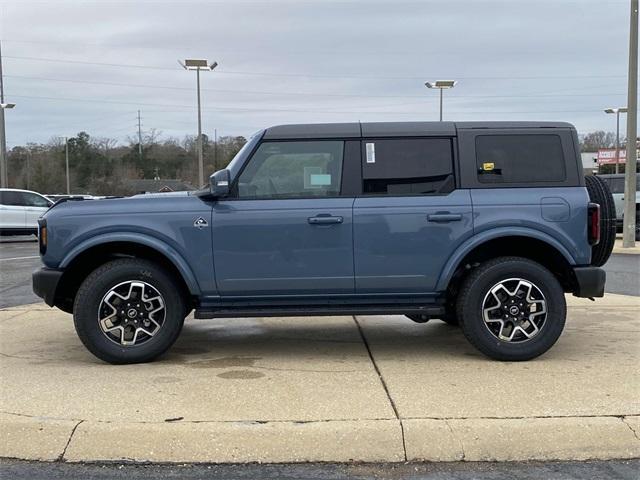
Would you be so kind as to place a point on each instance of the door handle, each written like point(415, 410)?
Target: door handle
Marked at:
point(324, 220)
point(444, 217)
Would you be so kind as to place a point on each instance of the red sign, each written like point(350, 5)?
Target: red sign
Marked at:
point(607, 156)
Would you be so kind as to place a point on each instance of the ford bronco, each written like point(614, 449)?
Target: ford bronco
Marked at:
point(484, 225)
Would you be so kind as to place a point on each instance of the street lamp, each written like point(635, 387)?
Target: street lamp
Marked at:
point(441, 85)
point(617, 111)
point(4, 179)
point(197, 65)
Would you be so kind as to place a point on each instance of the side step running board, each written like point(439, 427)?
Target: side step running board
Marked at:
point(298, 311)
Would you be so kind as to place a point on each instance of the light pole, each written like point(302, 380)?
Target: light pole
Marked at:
point(4, 179)
point(617, 111)
point(441, 85)
point(197, 65)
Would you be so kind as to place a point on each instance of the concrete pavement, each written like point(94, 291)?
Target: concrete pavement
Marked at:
point(375, 389)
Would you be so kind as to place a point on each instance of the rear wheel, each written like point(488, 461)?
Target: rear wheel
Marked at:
point(599, 193)
point(128, 311)
point(511, 309)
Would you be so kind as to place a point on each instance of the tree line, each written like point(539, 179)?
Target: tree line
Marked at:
point(102, 166)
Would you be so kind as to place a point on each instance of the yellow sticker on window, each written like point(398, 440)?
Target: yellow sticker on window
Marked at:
point(488, 166)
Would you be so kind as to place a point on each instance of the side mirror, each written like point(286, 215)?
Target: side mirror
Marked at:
point(219, 183)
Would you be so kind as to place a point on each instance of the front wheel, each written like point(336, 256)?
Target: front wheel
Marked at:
point(512, 309)
point(128, 311)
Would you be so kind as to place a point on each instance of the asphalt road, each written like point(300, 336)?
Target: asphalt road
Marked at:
point(19, 257)
point(615, 469)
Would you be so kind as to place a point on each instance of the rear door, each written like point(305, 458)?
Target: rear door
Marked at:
point(12, 210)
point(410, 217)
point(288, 228)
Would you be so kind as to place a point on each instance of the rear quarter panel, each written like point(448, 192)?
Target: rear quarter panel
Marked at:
point(559, 212)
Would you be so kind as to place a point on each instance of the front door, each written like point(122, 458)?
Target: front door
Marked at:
point(286, 230)
point(410, 218)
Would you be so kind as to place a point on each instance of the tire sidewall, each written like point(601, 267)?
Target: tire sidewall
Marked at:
point(475, 327)
point(95, 288)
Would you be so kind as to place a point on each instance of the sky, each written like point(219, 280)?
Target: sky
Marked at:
point(91, 65)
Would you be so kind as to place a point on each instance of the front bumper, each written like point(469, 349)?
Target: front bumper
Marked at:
point(45, 282)
point(589, 281)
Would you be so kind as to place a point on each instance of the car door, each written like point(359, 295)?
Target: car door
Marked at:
point(287, 228)
point(410, 218)
point(35, 206)
point(12, 210)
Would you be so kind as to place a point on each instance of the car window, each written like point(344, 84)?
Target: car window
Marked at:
point(520, 159)
point(33, 200)
point(15, 199)
point(293, 170)
point(411, 166)
point(616, 184)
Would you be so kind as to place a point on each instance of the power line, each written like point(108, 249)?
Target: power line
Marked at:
point(252, 109)
point(310, 94)
point(310, 75)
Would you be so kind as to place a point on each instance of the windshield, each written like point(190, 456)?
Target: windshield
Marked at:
point(236, 163)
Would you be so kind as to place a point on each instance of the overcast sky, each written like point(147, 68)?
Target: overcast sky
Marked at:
point(90, 65)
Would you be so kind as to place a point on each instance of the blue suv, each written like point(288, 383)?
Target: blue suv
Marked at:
point(484, 225)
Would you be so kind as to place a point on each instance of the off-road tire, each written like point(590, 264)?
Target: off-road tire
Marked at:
point(99, 282)
point(470, 302)
point(599, 193)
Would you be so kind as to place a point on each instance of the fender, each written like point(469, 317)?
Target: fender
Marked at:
point(457, 256)
point(161, 247)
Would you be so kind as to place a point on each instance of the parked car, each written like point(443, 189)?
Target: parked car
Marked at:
point(485, 225)
point(615, 182)
point(20, 210)
point(56, 197)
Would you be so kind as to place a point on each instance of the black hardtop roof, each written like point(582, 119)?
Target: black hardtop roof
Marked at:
point(392, 129)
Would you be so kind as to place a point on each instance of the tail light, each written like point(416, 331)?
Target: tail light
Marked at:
point(594, 223)
point(42, 235)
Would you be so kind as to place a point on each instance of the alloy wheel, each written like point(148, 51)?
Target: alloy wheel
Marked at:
point(514, 310)
point(131, 313)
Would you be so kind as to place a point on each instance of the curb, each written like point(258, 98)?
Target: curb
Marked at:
point(436, 440)
point(626, 251)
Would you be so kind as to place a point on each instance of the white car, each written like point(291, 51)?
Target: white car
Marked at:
point(20, 210)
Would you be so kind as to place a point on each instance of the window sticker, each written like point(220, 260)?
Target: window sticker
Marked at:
point(320, 179)
point(309, 173)
point(371, 153)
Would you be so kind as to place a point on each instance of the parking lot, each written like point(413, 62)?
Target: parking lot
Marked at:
point(374, 389)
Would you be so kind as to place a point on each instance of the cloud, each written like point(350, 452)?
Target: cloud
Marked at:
point(307, 61)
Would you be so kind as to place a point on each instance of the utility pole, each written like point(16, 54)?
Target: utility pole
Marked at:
point(629, 227)
point(3, 141)
point(139, 138)
point(618, 141)
point(66, 161)
point(28, 168)
point(215, 149)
